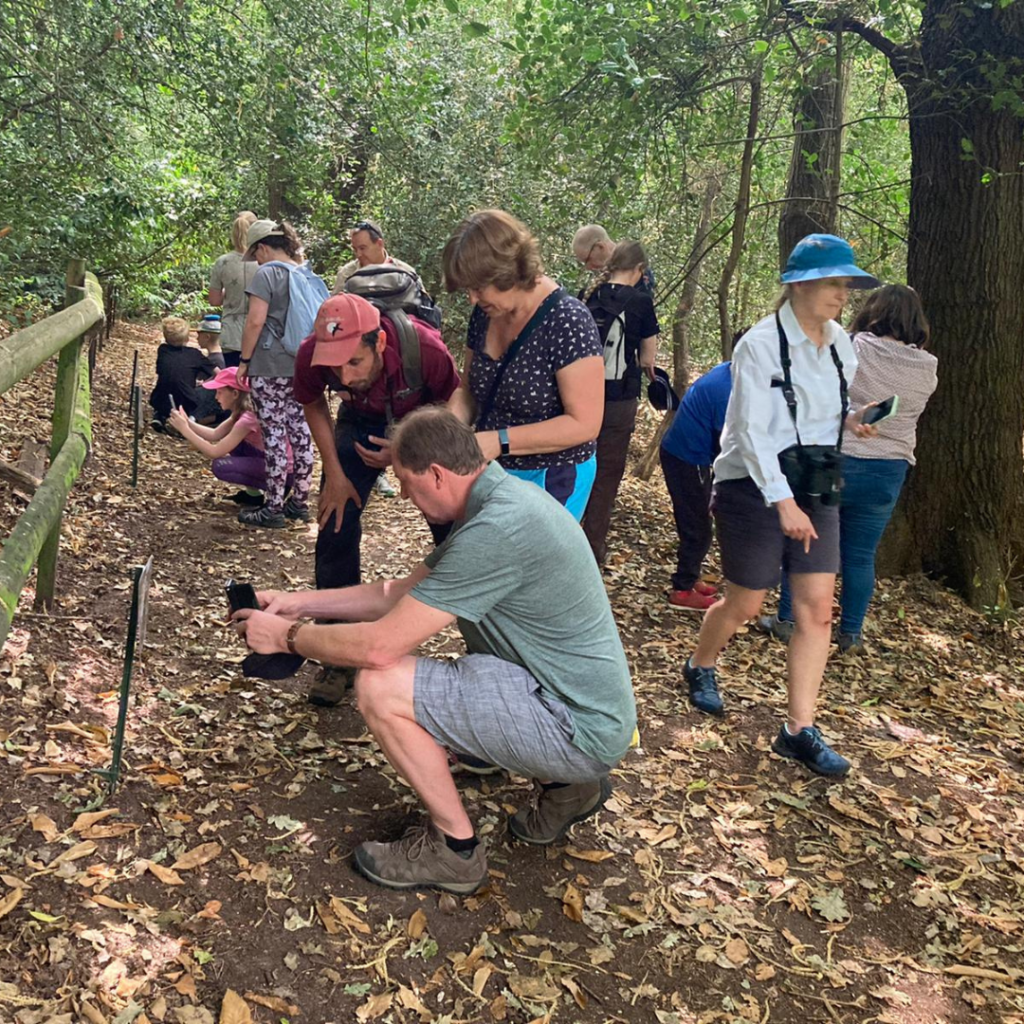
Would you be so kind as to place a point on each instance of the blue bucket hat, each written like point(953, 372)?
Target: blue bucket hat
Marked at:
point(818, 256)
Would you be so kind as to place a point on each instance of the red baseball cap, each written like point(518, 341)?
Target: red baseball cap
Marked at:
point(340, 326)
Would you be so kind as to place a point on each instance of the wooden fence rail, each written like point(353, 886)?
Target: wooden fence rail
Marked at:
point(36, 535)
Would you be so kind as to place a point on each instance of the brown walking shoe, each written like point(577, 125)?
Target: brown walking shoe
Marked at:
point(328, 689)
point(553, 811)
point(421, 859)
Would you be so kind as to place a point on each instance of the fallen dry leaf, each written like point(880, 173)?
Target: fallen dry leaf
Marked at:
point(197, 857)
point(166, 875)
point(347, 918)
point(417, 925)
point(374, 1007)
point(10, 901)
point(275, 1003)
point(572, 903)
point(89, 818)
point(234, 1009)
point(591, 856)
point(45, 825)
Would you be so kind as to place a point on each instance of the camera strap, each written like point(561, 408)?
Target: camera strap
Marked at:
point(787, 384)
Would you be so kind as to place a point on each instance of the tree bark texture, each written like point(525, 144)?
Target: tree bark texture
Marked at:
point(739, 224)
point(680, 324)
point(963, 514)
point(815, 165)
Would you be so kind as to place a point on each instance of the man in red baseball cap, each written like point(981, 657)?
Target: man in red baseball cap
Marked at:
point(355, 351)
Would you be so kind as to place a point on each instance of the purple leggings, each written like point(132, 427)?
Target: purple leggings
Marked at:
point(245, 466)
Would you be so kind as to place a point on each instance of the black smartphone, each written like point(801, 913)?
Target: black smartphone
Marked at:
point(241, 595)
point(882, 411)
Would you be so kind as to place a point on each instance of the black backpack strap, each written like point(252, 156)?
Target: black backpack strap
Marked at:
point(513, 350)
point(409, 348)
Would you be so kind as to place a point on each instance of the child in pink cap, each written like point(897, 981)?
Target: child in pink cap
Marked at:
point(236, 445)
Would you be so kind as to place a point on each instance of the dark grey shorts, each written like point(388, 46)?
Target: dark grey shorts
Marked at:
point(754, 548)
point(492, 709)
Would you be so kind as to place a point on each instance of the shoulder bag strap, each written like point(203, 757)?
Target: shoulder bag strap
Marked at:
point(787, 378)
point(513, 350)
point(844, 394)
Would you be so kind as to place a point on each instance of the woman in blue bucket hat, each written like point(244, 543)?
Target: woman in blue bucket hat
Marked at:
point(777, 482)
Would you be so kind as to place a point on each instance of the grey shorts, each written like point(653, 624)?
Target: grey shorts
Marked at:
point(495, 710)
point(754, 548)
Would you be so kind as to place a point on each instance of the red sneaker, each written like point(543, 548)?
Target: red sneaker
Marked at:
point(690, 600)
point(707, 589)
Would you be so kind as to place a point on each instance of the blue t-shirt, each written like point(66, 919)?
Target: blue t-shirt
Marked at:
point(697, 428)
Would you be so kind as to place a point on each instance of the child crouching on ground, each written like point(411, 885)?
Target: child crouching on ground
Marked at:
point(236, 445)
point(178, 367)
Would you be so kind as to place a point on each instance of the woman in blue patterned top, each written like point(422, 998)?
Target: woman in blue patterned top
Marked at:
point(533, 382)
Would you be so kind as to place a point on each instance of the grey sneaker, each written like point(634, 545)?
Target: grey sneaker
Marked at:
point(328, 689)
point(850, 643)
point(552, 811)
point(262, 516)
point(781, 629)
point(293, 510)
point(421, 860)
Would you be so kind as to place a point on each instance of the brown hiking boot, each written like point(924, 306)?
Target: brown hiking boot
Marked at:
point(552, 811)
point(328, 689)
point(421, 860)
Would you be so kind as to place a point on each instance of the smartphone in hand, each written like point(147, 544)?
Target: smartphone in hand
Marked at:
point(241, 595)
point(880, 412)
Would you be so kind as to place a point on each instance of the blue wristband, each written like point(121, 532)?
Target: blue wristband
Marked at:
point(503, 440)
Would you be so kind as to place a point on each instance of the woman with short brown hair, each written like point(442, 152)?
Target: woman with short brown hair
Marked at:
point(532, 384)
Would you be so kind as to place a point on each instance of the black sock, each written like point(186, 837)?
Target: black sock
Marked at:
point(463, 847)
point(553, 785)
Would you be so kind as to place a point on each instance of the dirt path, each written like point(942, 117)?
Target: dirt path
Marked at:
point(719, 885)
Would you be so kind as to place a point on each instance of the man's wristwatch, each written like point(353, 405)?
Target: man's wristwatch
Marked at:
point(503, 441)
point(249, 360)
point(293, 632)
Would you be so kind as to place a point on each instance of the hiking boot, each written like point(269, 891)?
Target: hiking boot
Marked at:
point(247, 499)
point(781, 629)
point(328, 689)
point(707, 589)
point(809, 748)
point(262, 516)
point(293, 510)
point(851, 643)
point(690, 600)
point(421, 859)
point(471, 764)
point(553, 811)
point(703, 684)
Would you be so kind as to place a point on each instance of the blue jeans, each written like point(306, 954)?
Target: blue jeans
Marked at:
point(871, 488)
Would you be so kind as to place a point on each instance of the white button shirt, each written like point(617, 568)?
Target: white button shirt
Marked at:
point(757, 423)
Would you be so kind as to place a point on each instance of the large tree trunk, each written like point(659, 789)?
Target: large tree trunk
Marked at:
point(815, 166)
point(963, 517)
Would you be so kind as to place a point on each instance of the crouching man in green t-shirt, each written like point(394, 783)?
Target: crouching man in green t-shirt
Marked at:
point(544, 690)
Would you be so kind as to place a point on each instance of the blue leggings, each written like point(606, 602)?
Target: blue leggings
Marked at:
point(871, 488)
point(569, 484)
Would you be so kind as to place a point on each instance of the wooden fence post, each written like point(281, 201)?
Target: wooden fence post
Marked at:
point(63, 413)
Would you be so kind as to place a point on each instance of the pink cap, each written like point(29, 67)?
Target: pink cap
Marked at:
point(340, 326)
point(227, 378)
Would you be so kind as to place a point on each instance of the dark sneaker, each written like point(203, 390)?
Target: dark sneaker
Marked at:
point(471, 764)
point(421, 859)
point(552, 811)
point(247, 499)
point(262, 516)
point(328, 689)
point(703, 684)
point(850, 643)
point(293, 510)
point(781, 629)
point(809, 748)
point(158, 426)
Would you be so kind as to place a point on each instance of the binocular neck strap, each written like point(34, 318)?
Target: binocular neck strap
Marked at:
point(787, 383)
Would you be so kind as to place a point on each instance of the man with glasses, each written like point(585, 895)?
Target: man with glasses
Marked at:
point(368, 246)
point(593, 247)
